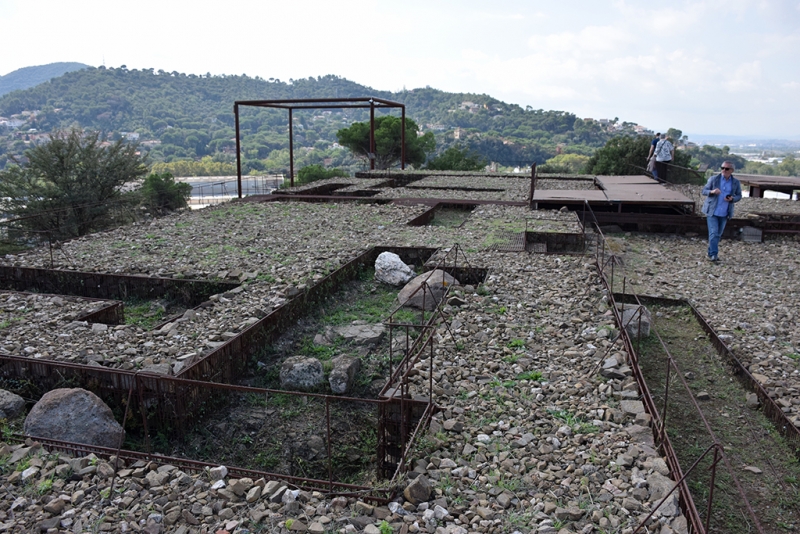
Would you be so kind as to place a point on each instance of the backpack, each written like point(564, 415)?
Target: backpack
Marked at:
point(661, 152)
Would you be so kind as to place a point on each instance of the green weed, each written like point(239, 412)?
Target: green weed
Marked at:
point(516, 344)
point(44, 486)
point(533, 376)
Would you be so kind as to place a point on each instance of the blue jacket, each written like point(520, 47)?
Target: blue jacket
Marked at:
point(711, 201)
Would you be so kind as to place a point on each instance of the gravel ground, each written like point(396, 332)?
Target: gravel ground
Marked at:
point(531, 436)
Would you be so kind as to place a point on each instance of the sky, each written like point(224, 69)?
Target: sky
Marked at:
point(709, 67)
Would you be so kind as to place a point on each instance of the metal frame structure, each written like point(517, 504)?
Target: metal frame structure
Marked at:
point(322, 103)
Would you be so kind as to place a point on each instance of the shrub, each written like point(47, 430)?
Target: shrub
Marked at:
point(312, 173)
point(160, 192)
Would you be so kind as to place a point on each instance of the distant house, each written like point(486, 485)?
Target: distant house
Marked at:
point(130, 136)
point(12, 123)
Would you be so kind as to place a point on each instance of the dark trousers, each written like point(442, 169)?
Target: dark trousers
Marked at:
point(661, 169)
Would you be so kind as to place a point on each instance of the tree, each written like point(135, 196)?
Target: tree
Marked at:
point(70, 184)
point(621, 155)
point(160, 192)
point(625, 155)
point(714, 156)
point(565, 164)
point(387, 141)
point(457, 158)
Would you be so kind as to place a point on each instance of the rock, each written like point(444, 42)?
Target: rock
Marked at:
point(98, 328)
point(301, 373)
point(158, 368)
point(55, 507)
point(703, 396)
point(218, 473)
point(418, 490)
point(752, 400)
point(362, 334)
point(636, 318)
point(659, 486)
point(426, 289)
point(11, 404)
point(390, 269)
point(670, 507)
point(753, 469)
point(253, 494)
point(632, 407)
point(74, 415)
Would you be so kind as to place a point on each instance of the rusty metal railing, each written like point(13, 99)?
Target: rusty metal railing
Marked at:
point(410, 411)
point(606, 261)
point(174, 405)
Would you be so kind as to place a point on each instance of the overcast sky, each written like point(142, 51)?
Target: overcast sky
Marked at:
point(704, 66)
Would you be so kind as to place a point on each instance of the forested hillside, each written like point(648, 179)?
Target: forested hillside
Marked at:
point(188, 117)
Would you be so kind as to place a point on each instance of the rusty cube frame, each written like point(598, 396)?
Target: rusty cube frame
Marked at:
point(321, 103)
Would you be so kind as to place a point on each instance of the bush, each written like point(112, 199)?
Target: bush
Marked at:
point(457, 159)
point(71, 185)
point(312, 173)
point(160, 192)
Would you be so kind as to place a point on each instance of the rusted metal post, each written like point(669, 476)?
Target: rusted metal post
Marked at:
point(328, 424)
point(403, 137)
point(291, 150)
point(143, 410)
point(391, 344)
point(371, 134)
point(612, 275)
point(238, 152)
point(711, 485)
point(639, 332)
point(532, 190)
point(666, 399)
point(50, 242)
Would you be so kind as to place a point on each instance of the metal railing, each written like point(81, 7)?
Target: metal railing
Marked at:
point(612, 274)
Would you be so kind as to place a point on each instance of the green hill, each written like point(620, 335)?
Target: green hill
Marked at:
point(31, 76)
point(188, 117)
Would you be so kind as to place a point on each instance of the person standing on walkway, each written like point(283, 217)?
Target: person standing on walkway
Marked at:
point(651, 156)
point(664, 154)
point(722, 192)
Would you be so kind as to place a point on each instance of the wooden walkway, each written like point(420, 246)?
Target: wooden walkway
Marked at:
point(618, 191)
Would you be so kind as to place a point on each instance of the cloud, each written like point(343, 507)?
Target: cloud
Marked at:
point(745, 77)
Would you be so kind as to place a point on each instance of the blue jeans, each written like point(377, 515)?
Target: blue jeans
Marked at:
point(716, 225)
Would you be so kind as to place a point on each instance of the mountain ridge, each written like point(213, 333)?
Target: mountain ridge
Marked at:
point(32, 76)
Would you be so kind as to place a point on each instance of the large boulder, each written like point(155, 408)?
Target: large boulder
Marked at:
point(11, 404)
point(343, 374)
point(427, 288)
point(390, 269)
point(74, 415)
point(300, 373)
point(418, 490)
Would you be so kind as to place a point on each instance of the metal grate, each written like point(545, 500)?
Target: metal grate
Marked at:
point(537, 248)
point(509, 242)
point(751, 234)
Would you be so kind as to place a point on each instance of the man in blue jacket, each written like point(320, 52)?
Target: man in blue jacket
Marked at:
point(722, 190)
